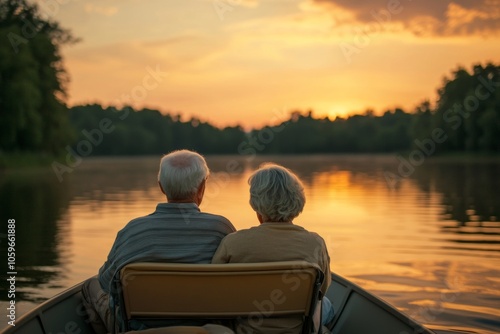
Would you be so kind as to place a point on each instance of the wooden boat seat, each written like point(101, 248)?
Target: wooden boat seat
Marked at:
point(220, 291)
point(207, 329)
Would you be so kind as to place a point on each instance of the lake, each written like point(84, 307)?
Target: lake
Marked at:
point(422, 235)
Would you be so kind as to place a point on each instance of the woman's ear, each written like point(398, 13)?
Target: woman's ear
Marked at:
point(163, 191)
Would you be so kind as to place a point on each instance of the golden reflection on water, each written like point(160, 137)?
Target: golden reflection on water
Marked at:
point(430, 247)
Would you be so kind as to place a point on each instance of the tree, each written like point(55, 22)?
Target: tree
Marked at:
point(468, 110)
point(33, 115)
point(422, 121)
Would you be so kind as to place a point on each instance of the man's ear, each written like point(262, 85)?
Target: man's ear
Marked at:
point(200, 192)
point(163, 191)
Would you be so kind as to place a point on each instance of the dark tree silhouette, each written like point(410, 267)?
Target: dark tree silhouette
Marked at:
point(33, 115)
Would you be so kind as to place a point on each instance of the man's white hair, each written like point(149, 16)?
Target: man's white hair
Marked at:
point(181, 173)
point(276, 193)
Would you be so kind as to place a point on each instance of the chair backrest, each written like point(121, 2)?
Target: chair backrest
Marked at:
point(219, 291)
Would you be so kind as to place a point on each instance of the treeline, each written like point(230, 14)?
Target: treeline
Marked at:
point(130, 132)
point(125, 131)
point(466, 118)
point(302, 133)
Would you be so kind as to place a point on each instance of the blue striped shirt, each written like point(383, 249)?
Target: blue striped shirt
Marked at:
point(175, 232)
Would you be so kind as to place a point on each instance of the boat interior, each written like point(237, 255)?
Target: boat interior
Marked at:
point(225, 293)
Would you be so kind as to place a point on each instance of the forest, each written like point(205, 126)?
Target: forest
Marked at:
point(35, 118)
point(465, 118)
point(33, 81)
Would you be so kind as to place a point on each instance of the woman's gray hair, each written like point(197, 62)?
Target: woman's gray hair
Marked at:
point(181, 173)
point(276, 193)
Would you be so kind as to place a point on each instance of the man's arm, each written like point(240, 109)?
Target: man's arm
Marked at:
point(107, 271)
point(105, 276)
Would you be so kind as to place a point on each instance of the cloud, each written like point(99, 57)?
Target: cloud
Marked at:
point(423, 17)
point(102, 10)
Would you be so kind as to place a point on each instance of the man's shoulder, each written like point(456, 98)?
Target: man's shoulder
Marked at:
point(213, 216)
point(139, 220)
point(218, 219)
point(134, 226)
point(208, 219)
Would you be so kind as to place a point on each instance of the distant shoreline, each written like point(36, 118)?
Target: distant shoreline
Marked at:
point(13, 161)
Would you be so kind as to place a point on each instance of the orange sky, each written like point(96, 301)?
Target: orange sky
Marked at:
point(250, 62)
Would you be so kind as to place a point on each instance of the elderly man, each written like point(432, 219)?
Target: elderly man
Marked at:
point(176, 232)
point(277, 197)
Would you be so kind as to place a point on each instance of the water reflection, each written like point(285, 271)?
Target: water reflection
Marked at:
point(470, 197)
point(39, 206)
point(470, 190)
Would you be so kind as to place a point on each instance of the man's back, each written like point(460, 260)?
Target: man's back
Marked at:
point(175, 232)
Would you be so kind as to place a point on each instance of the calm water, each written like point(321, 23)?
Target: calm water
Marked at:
point(428, 243)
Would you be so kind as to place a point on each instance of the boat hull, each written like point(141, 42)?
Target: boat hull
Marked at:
point(62, 314)
point(356, 312)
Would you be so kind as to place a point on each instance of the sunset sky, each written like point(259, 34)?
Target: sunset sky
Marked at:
point(250, 62)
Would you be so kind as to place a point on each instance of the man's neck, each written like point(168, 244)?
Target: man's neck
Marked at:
point(181, 201)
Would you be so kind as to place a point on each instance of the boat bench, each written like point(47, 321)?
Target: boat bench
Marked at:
point(220, 292)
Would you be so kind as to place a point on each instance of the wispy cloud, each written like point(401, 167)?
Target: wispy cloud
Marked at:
point(100, 9)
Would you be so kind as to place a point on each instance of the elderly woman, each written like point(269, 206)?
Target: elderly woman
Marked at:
point(277, 197)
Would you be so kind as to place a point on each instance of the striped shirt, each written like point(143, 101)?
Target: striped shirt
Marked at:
point(175, 232)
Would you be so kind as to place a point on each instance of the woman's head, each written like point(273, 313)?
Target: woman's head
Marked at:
point(276, 193)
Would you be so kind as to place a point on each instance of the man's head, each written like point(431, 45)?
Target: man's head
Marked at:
point(182, 176)
point(276, 194)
